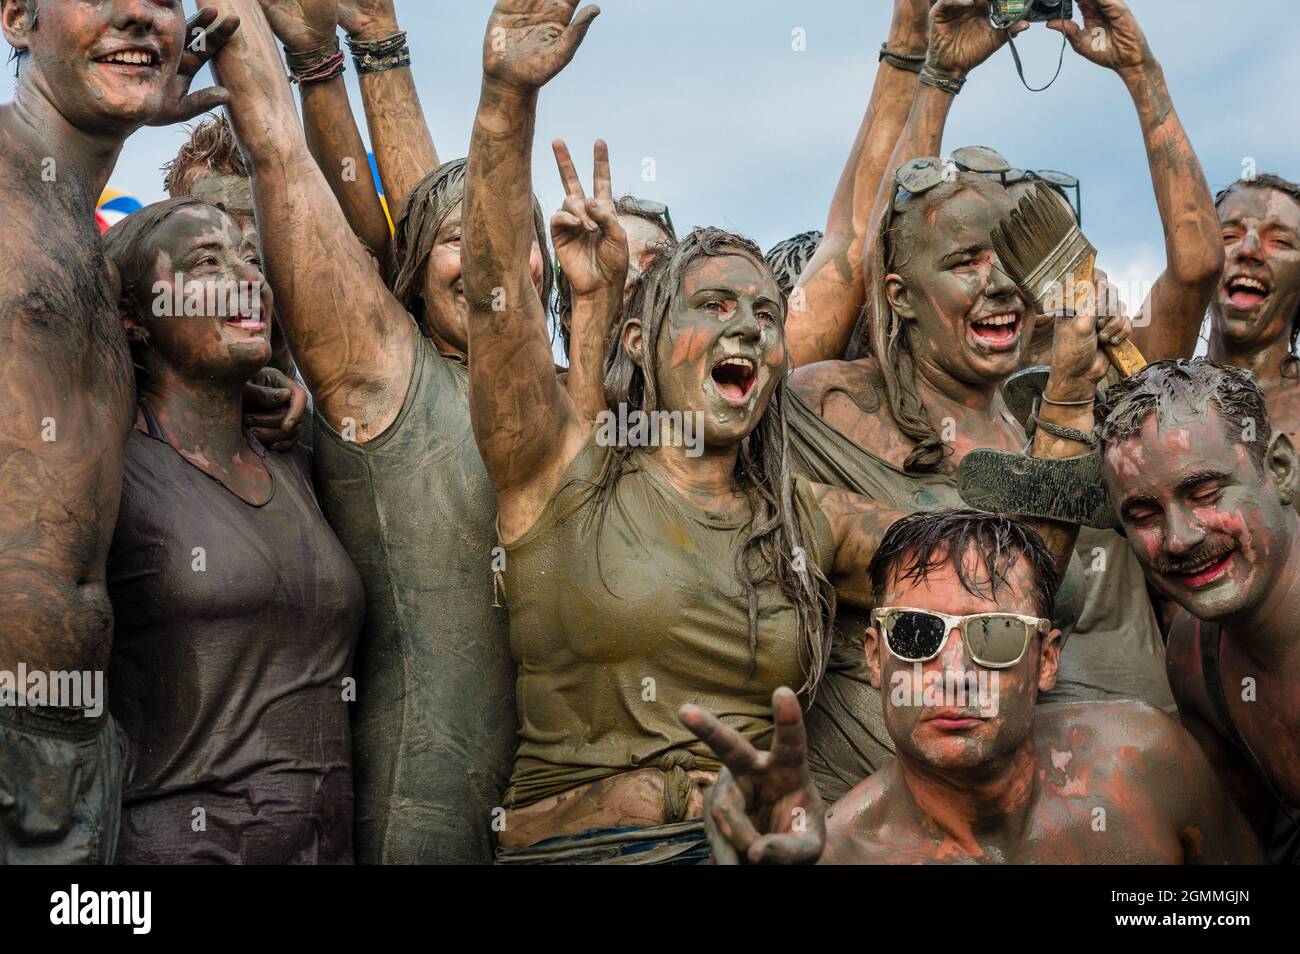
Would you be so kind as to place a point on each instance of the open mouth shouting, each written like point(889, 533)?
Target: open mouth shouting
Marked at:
point(997, 333)
point(1245, 292)
point(130, 60)
point(734, 378)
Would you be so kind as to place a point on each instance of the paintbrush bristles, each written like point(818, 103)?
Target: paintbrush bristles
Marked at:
point(1031, 232)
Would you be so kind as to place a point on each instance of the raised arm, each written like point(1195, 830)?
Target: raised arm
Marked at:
point(1171, 317)
point(403, 146)
point(961, 38)
point(526, 425)
point(353, 341)
point(309, 30)
point(830, 292)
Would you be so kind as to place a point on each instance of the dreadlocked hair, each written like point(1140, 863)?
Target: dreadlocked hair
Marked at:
point(1266, 180)
point(890, 336)
point(788, 258)
point(776, 541)
point(211, 148)
point(415, 234)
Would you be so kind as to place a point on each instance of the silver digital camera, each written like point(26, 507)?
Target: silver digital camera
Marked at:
point(1008, 12)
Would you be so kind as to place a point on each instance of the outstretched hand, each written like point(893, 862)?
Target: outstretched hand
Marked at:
point(528, 42)
point(302, 25)
point(764, 808)
point(962, 35)
point(1110, 35)
point(203, 41)
point(590, 243)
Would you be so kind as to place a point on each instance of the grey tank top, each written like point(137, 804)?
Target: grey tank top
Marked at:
point(434, 719)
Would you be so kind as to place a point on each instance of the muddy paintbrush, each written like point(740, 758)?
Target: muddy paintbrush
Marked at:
point(1044, 253)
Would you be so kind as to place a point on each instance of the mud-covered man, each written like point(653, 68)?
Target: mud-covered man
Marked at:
point(961, 647)
point(1205, 491)
point(90, 73)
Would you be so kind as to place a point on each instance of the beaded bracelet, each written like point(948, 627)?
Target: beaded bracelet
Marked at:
point(376, 56)
point(316, 66)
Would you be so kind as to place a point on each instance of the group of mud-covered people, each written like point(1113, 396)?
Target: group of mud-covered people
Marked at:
point(369, 579)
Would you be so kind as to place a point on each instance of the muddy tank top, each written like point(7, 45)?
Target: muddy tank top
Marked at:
point(434, 719)
point(235, 629)
point(614, 628)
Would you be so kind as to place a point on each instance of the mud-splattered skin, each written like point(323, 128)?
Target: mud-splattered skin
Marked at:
point(65, 372)
point(1192, 499)
point(1258, 298)
point(1067, 784)
point(947, 278)
point(194, 366)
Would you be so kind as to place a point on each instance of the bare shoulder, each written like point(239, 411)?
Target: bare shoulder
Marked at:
point(1127, 735)
point(813, 382)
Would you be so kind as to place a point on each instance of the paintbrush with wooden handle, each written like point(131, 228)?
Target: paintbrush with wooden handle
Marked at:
point(1041, 249)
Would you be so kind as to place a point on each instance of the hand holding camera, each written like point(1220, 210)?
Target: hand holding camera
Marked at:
point(1110, 35)
point(962, 36)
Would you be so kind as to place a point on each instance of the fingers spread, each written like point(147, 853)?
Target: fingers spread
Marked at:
point(568, 173)
point(601, 176)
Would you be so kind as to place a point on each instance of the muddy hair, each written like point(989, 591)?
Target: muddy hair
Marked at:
point(1266, 180)
point(415, 234)
point(127, 245)
point(788, 258)
point(623, 205)
point(917, 545)
point(890, 338)
point(776, 540)
point(1178, 388)
point(211, 149)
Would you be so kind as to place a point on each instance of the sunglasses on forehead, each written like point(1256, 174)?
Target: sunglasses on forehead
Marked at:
point(992, 640)
point(654, 210)
point(921, 175)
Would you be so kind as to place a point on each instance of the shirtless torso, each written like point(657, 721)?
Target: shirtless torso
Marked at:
point(1093, 802)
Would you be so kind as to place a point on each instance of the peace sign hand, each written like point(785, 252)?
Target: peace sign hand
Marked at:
point(590, 243)
point(764, 808)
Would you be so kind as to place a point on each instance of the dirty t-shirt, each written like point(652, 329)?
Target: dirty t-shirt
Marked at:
point(235, 629)
point(434, 719)
point(615, 627)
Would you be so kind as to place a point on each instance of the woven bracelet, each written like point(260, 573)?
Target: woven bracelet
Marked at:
point(316, 66)
point(912, 62)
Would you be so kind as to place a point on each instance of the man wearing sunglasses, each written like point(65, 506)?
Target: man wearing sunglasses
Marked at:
point(963, 599)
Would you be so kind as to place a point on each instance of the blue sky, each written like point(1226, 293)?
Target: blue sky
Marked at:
point(748, 134)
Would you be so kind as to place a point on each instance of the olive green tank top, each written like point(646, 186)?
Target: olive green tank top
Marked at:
point(434, 721)
point(614, 629)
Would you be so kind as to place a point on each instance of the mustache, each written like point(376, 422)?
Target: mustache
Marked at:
point(1211, 551)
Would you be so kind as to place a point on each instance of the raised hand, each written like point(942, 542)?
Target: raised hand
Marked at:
point(1078, 362)
point(370, 19)
point(529, 41)
point(1110, 35)
point(590, 243)
point(202, 42)
point(302, 25)
point(962, 36)
point(764, 808)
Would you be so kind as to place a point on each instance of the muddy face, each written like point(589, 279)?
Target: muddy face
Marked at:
point(966, 316)
point(1259, 293)
point(996, 717)
point(1209, 526)
point(207, 309)
point(641, 234)
point(446, 312)
point(722, 349)
point(107, 65)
